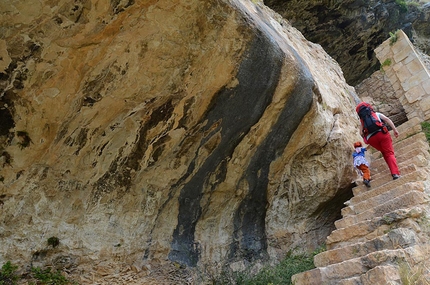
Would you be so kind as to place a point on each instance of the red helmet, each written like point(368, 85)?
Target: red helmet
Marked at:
point(357, 144)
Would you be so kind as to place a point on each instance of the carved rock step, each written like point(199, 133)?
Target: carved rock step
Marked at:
point(369, 229)
point(416, 161)
point(407, 135)
point(364, 202)
point(380, 180)
point(385, 274)
point(399, 144)
point(409, 128)
point(397, 238)
point(386, 183)
point(334, 273)
point(411, 151)
point(406, 200)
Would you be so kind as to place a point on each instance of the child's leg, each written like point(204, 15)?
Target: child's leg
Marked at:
point(365, 170)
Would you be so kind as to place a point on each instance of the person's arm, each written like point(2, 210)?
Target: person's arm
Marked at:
point(390, 123)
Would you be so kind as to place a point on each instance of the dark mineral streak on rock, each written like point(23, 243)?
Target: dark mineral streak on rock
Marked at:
point(235, 111)
point(249, 221)
point(119, 173)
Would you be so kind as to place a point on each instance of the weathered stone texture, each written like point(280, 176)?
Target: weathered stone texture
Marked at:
point(350, 30)
point(203, 132)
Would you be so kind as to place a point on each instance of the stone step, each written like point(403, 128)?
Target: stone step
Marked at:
point(419, 160)
point(405, 137)
point(405, 153)
point(386, 183)
point(364, 202)
point(372, 228)
point(402, 142)
point(409, 128)
point(406, 200)
point(397, 238)
point(382, 179)
point(413, 149)
point(384, 274)
point(334, 273)
point(399, 145)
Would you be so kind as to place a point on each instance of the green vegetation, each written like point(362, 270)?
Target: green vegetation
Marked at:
point(393, 37)
point(426, 129)
point(410, 275)
point(53, 241)
point(281, 273)
point(403, 5)
point(386, 62)
point(8, 276)
point(46, 277)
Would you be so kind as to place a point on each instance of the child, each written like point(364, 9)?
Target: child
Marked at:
point(361, 163)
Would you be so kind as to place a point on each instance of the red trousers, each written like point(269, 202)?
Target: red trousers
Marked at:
point(384, 144)
point(365, 170)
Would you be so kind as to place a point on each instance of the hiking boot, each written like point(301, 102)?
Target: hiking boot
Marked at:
point(366, 182)
point(396, 176)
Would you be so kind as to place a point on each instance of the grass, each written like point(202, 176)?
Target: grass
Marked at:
point(281, 273)
point(9, 276)
point(412, 275)
point(46, 276)
point(426, 129)
point(393, 37)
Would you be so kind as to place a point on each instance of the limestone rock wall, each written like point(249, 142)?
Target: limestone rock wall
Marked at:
point(350, 30)
point(201, 132)
point(378, 91)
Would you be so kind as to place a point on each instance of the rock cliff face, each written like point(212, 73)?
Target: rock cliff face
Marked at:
point(203, 132)
point(350, 30)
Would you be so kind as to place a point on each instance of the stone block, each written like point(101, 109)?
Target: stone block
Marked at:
point(425, 104)
point(397, 66)
point(412, 56)
point(383, 51)
point(386, 274)
point(402, 43)
point(404, 74)
point(402, 54)
point(426, 87)
point(416, 79)
point(415, 93)
point(415, 66)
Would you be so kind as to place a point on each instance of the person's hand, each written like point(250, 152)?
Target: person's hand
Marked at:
point(396, 133)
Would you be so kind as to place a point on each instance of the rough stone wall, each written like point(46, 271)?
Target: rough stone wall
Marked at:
point(350, 30)
point(202, 132)
point(408, 74)
point(378, 91)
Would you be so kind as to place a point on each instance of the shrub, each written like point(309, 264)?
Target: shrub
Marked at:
point(53, 241)
point(426, 129)
point(7, 274)
point(47, 277)
point(282, 273)
point(393, 37)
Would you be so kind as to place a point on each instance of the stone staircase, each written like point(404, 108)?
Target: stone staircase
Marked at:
point(384, 234)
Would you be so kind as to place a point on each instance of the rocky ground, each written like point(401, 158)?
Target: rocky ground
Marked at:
point(108, 273)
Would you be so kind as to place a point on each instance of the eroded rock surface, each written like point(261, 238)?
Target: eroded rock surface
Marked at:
point(350, 30)
point(200, 132)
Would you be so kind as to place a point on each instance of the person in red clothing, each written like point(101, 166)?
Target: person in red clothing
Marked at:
point(381, 140)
